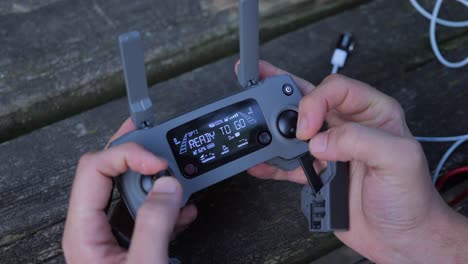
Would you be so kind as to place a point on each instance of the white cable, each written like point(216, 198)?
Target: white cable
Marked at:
point(442, 139)
point(343, 49)
point(458, 141)
point(435, 47)
point(445, 157)
point(335, 69)
point(440, 21)
point(465, 2)
point(434, 20)
point(338, 59)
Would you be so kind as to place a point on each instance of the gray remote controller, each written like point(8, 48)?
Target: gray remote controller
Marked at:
point(224, 138)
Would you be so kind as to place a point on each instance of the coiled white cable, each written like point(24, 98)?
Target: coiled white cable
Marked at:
point(432, 30)
point(434, 20)
point(458, 141)
point(338, 60)
point(443, 22)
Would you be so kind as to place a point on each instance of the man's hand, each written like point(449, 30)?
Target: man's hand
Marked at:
point(87, 236)
point(396, 216)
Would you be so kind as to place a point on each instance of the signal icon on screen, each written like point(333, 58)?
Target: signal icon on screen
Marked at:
point(183, 146)
point(236, 115)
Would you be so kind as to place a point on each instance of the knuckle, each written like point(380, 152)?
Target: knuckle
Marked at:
point(350, 128)
point(346, 138)
point(397, 109)
point(412, 149)
point(131, 146)
point(86, 159)
point(335, 79)
point(305, 101)
point(129, 149)
point(353, 130)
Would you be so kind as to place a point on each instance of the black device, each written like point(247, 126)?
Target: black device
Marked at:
point(219, 140)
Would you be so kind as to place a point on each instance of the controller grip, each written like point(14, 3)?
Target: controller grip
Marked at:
point(328, 210)
point(284, 164)
point(131, 190)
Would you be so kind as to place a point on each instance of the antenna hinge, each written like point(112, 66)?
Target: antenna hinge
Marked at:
point(142, 114)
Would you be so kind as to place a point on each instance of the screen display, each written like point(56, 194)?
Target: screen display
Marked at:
point(222, 136)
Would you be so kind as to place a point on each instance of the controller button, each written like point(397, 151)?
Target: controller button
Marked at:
point(146, 183)
point(264, 138)
point(190, 169)
point(287, 122)
point(148, 180)
point(288, 89)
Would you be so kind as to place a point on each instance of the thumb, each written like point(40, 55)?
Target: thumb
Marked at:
point(376, 148)
point(155, 222)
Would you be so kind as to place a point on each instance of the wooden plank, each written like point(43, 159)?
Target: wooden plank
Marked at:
point(45, 243)
point(245, 220)
point(262, 222)
point(342, 255)
point(8, 7)
point(272, 234)
point(59, 58)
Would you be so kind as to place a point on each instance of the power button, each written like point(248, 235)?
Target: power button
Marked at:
point(288, 89)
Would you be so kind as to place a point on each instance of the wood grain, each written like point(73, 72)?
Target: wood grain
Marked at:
point(242, 220)
point(59, 58)
point(8, 7)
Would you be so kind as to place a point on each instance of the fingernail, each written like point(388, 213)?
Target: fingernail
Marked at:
point(319, 143)
point(301, 125)
point(165, 185)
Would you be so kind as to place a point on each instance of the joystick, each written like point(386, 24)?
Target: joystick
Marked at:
point(287, 122)
point(224, 138)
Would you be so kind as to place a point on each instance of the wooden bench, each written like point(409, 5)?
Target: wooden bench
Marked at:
point(241, 220)
point(59, 57)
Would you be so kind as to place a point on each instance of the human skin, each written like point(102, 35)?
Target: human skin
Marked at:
point(87, 235)
point(396, 215)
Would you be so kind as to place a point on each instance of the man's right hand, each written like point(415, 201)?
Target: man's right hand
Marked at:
point(396, 215)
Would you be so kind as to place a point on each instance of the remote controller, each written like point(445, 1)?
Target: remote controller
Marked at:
point(231, 135)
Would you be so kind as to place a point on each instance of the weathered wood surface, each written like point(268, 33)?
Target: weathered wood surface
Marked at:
point(60, 57)
point(342, 255)
point(242, 220)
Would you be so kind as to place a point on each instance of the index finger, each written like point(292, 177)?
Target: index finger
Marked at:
point(357, 101)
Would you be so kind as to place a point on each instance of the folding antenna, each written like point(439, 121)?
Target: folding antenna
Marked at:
point(248, 42)
point(139, 102)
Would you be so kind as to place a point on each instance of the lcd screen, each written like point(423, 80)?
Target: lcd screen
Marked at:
point(214, 139)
